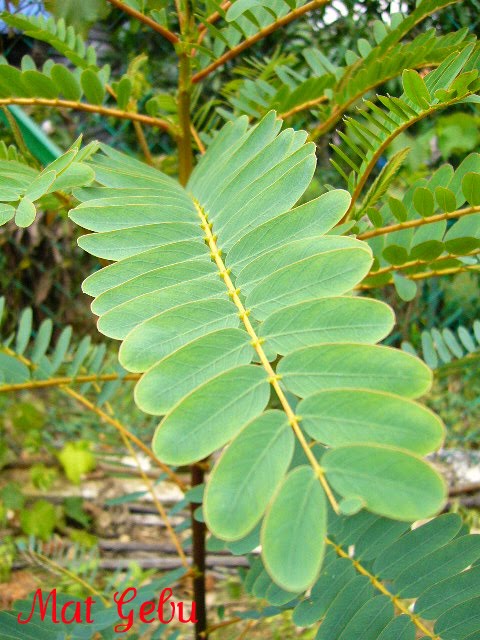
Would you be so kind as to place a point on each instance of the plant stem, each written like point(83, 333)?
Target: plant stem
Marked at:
point(90, 108)
point(419, 222)
point(185, 166)
point(184, 141)
point(198, 557)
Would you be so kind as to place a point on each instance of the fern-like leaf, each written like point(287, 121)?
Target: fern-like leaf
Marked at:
point(209, 284)
point(382, 579)
point(57, 34)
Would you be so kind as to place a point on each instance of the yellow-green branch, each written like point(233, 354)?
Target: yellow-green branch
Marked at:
point(423, 276)
point(418, 222)
point(263, 33)
point(64, 381)
point(417, 263)
point(158, 505)
point(90, 108)
point(303, 107)
point(339, 110)
point(123, 430)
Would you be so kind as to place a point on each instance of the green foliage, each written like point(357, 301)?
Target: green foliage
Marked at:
point(452, 82)
point(54, 356)
point(57, 34)
point(165, 313)
point(52, 82)
point(76, 459)
point(434, 566)
point(39, 519)
point(27, 185)
point(457, 348)
point(328, 87)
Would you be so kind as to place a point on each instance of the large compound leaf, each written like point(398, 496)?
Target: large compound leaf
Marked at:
point(203, 344)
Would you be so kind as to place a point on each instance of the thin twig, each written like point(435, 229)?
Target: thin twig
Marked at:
point(423, 276)
point(60, 382)
point(222, 625)
point(418, 222)
point(364, 173)
point(123, 430)
point(142, 141)
point(90, 108)
point(198, 142)
point(248, 627)
point(166, 33)
point(104, 416)
point(163, 514)
point(263, 33)
point(303, 107)
point(55, 566)
point(418, 263)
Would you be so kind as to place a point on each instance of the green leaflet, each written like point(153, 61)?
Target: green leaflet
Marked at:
point(141, 264)
point(40, 185)
point(25, 213)
point(159, 336)
point(128, 213)
point(66, 82)
point(293, 531)
point(124, 318)
point(400, 628)
point(155, 280)
point(448, 560)
point(344, 416)
point(192, 365)
point(363, 550)
point(462, 621)
point(115, 245)
point(12, 371)
point(471, 188)
point(351, 598)
point(210, 415)
point(415, 88)
point(24, 331)
point(354, 366)
point(246, 476)
point(92, 86)
point(7, 212)
point(308, 220)
point(381, 477)
point(274, 260)
point(325, 274)
point(370, 620)
point(417, 543)
point(448, 593)
point(327, 320)
point(335, 575)
point(240, 7)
